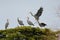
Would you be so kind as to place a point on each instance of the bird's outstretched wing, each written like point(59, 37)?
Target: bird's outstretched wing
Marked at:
point(39, 12)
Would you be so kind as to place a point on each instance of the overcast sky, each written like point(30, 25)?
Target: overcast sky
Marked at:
point(11, 9)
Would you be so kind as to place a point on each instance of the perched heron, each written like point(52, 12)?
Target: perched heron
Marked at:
point(42, 24)
point(29, 22)
point(7, 23)
point(20, 21)
point(38, 14)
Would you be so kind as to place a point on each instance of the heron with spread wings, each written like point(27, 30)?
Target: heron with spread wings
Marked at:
point(38, 14)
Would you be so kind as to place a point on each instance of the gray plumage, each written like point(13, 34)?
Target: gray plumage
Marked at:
point(38, 14)
point(7, 23)
point(20, 21)
point(42, 24)
point(29, 22)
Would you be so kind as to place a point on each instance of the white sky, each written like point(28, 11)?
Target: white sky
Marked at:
point(12, 9)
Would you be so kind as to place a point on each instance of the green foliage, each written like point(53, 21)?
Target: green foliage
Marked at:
point(28, 33)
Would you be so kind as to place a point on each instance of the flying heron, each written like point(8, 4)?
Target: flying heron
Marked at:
point(7, 23)
point(20, 21)
point(38, 14)
point(29, 22)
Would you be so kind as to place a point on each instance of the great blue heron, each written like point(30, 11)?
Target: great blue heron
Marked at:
point(20, 21)
point(29, 22)
point(38, 14)
point(42, 24)
point(7, 23)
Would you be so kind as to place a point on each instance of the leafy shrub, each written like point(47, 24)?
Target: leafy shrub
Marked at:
point(28, 33)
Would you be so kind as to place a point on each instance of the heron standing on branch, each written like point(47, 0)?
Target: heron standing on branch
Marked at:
point(20, 21)
point(29, 22)
point(42, 24)
point(38, 14)
point(7, 23)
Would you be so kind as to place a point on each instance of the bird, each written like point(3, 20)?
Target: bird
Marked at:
point(38, 14)
point(7, 23)
point(29, 22)
point(20, 21)
point(42, 24)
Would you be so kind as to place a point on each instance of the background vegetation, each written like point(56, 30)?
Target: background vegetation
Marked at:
point(28, 33)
